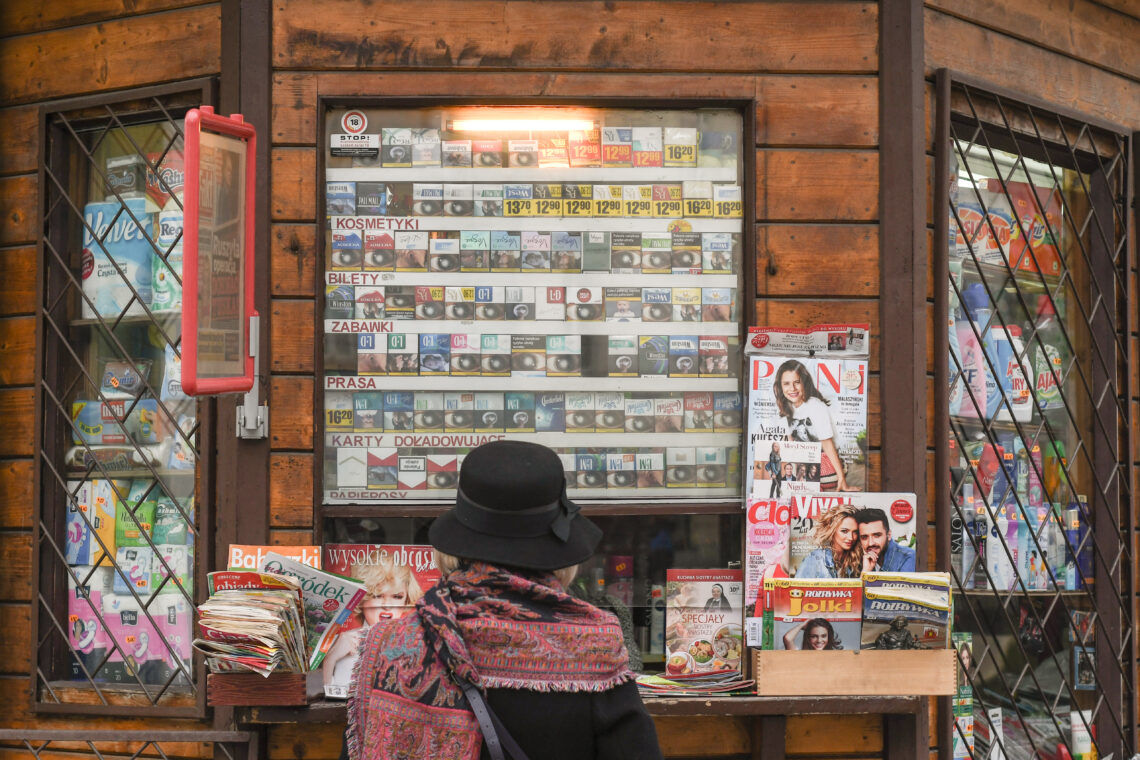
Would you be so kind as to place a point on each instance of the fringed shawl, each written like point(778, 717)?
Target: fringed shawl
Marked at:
point(496, 628)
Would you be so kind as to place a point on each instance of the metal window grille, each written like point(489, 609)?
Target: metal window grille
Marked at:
point(114, 604)
point(105, 745)
point(1032, 236)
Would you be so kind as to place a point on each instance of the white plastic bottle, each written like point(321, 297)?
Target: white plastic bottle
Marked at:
point(1050, 356)
point(1018, 363)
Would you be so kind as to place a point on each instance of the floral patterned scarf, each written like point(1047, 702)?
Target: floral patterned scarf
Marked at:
point(491, 626)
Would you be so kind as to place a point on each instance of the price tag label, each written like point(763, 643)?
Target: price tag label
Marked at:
point(698, 207)
point(683, 155)
point(607, 207)
point(336, 418)
point(547, 207)
point(729, 209)
point(667, 209)
point(518, 207)
point(578, 207)
point(638, 208)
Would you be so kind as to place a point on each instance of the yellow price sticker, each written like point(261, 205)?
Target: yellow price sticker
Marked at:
point(729, 209)
point(607, 207)
point(545, 207)
point(681, 154)
point(698, 207)
point(338, 417)
point(518, 207)
point(638, 208)
point(667, 209)
point(578, 207)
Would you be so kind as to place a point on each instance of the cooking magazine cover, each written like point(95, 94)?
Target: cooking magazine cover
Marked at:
point(703, 631)
point(394, 576)
point(818, 614)
point(810, 386)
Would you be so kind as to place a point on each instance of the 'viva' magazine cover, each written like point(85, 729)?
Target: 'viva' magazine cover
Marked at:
point(394, 576)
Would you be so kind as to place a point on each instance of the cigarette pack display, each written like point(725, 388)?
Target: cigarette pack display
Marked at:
point(548, 199)
point(717, 149)
point(668, 413)
point(505, 259)
point(522, 154)
point(686, 305)
point(347, 250)
point(585, 147)
point(429, 301)
point(338, 410)
point(490, 302)
point(563, 355)
point(125, 178)
point(340, 198)
point(683, 356)
point(489, 416)
point(519, 302)
point(495, 352)
point(369, 302)
point(621, 472)
point(595, 251)
point(368, 411)
point(623, 304)
point(459, 303)
point(579, 412)
point(411, 251)
point(403, 354)
point(379, 250)
point(134, 517)
point(486, 154)
point(383, 468)
point(651, 468)
point(727, 414)
point(719, 252)
point(656, 253)
point(550, 303)
point(657, 304)
point(653, 355)
point(435, 353)
point(552, 151)
point(686, 257)
point(712, 467)
point(609, 200)
point(371, 198)
point(339, 301)
point(591, 468)
point(459, 411)
point(113, 242)
point(703, 631)
point(399, 302)
point(412, 473)
point(637, 200)
point(428, 414)
point(717, 305)
point(680, 146)
point(550, 412)
point(133, 570)
point(474, 251)
point(488, 200)
point(812, 614)
point(617, 147)
point(585, 304)
point(667, 201)
point(698, 412)
point(528, 356)
point(578, 200)
point(425, 147)
point(639, 417)
point(86, 634)
point(728, 202)
point(396, 147)
point(625, 252)
point(519, 410)
point(566, 248)
point(398, 411)
point(456, 154)
point(609, 411)
point(680, 467)
point(465, 354)
point(535, 261)
point(351, 467)
point(442, 471)
point(714, 356)
point(458, 200)
point(427, 199)
point(647, 146)
point(443, 254)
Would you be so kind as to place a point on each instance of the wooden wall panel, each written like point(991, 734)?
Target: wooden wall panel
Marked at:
point(793, 110)
point(25, 16)
point(294, 192)
point(126, 52)
point(708, 737)
point(18, 280)
point(16, 422)
point(16, 654)
point(291, 490)
point(293, 259)
point(16, 494)
point(628, 36)
point(16, 559)
point(834, 260)
point(17, 347)
point(818, 185)
point(291, 416)
point(17, 207)
point(291, 337)
point(830, 734)
point(1075, 28)
point(312, 742)
point(19, 134)
point(1019, 66)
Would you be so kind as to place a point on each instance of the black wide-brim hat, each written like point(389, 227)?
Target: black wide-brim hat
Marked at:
point(511, 509)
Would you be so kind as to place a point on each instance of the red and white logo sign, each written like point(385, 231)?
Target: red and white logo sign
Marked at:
point(759, 340)
point(902, 511)
point(354, 122)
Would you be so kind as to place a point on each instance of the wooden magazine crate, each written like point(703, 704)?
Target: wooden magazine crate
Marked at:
point(871, 672)
point(250, 689)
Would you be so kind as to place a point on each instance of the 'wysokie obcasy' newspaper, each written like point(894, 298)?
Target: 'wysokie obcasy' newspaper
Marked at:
point(328, 600)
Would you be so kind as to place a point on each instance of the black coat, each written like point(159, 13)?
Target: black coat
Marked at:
point(610, 725)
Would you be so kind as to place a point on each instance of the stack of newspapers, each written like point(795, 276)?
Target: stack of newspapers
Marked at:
point(252, 622)
point(706, 684)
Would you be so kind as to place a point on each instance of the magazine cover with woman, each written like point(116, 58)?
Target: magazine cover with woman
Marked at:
point(812, 614)
point(395, 576)
point(808, 386)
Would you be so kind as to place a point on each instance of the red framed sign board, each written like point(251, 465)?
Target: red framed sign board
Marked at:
point(217, 265)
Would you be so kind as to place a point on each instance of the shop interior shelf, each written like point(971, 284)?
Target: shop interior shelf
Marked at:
point(533, 277)
point(528, 327)
point(537, 384)
point(137, 473)
point(130, 319)
point(539, 223)
point(1001, 595)
point(611, 175)
point(998, 273)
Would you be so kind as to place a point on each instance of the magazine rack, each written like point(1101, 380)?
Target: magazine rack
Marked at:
point(929, 672)
point(278, 689)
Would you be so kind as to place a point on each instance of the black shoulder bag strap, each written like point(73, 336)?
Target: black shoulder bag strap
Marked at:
point(495, 733)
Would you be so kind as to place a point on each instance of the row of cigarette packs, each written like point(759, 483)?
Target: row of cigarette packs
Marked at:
point(359, 248)
point(611, 147)
point(700, 199)
point(471, 355)
point(524, 302)
point(530, 412)
point(586, 468)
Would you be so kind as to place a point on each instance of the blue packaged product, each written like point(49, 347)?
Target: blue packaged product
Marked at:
point(550, 412)
point(121, 262)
